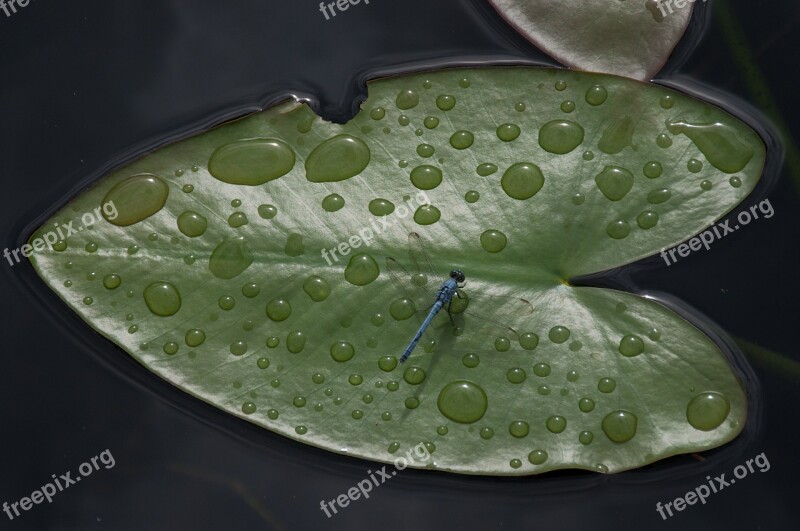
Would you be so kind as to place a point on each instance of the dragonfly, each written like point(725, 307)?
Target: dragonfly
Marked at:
point(448, 294)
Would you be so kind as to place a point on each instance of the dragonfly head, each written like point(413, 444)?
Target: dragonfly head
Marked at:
point(458, 276)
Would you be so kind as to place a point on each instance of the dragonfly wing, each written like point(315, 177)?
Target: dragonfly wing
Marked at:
point(496, 315)
point(420, 259)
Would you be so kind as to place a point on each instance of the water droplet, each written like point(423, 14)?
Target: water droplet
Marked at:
point(294, 245)
point(537, 457)
point(414, 375)
point(238, 348)
point(614, 182)
point(431, 122)
point(88, 301)
point(251, 290)
point(248, 408)
point(279, 310)
point(572, 376)
point(596, 95)
point(342, 351)
point(707, 411)
point(493, 241)
point(267, 211)
point(502, 344)
point(659, 196)
point(402, 309)
point(112, 281)
point(273, 342)
point(426, 177)
point(522, 180)
point(561, 85)
point(301, 430)
point(486, 169)
point(567, 106)
point(403, 120)
point(194, 337)
point(162, 299)
point(317, 288)
point(251, 162)
point(560, 136)
point(361, 270)
point(407, 99)
point(427, 215)
point(719, 143)
point(647, 219)
point(381, 207)
point(462, 139)
point(136, 199)
point(706, 185)
point(378, 113)
point(618, 229)
point(559, 334)
point(472, 196)
point(263, 363)
point(237, 219)
point(337, 159)
point(425, 150)
point(541, 369)
point(295, 341)
point(508, 132)
point(187, 188)
point(586, 405)
point(471, 360)
point(694, 166)
point(586, 437)
point(620, 426)
point(91, 247)
point(516, 376)
point(445, 102)
point(331, 203)
point(355, 379)
point(230, 258)
point(519, 429)
point(192, 224)
point(462, 401)
point(529, 341)
point(556, 424)
point(606, 385)
point(663, 141)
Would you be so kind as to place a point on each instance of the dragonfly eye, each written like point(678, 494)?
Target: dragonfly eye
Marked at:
point(457, 275)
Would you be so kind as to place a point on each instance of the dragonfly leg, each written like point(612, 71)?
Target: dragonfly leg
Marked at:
point(450, 314)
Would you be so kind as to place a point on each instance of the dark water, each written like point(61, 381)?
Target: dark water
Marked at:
point(86, 85)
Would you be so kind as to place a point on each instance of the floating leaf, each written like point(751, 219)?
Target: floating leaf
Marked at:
point(631, 38)
point(268, 297)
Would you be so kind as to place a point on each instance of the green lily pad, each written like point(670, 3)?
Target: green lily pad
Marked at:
point(633, 38)
point(247, 266)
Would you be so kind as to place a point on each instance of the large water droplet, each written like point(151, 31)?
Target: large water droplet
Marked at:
point(620, 426)
point(162, 298)
point(337, 159)
point(279, 309)
point(493, 241)
point(402, 309)
point(135, 199)
point(426, 177)
point(462, 401)
point(407, 99)
point(718, 142)
point(192, 224)
point(631, 346)
point(361, 270)
point(381, 207)
point(342, 351)
point(332, 203)
point(427, 215)
point(295, 341)
point(707, 411)
point(614, 182)
point(251, 162)
point(462, 139)
point(317, 288)
point(230, 259)
point(522, 180)
point(560, 136)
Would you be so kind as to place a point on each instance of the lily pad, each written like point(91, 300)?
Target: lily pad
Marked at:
point(632, 38)
point(267, 295)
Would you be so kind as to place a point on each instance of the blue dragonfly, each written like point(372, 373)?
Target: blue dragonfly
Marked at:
point(448, 296)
